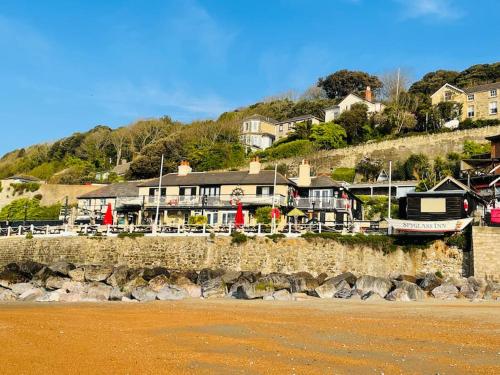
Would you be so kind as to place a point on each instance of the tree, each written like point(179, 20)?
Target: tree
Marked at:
point(303, 130)
point(432, 81)
point(328, 135)
point(120, 138)
point(146, 132)
point(314, 92)
point(393, 83)
point(93, 146)
point(472, 148)
point(417, 166)
point(369, 168)
point(263, 215)
point(344, 82)
point(355, 122)
point(478, 74)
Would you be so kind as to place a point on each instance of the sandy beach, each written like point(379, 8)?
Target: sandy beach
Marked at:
point(251, 337)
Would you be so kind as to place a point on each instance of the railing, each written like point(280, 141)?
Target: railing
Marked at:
point(214, 201)
point(322, 203)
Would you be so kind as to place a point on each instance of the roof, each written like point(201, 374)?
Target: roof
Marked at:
point(120, 189)
point(23, 177)
point(262, 118)
point(493, 138)
point(323, 182)
point(484, 87)
point(448, 85)
point(453, 181)
point(353, 94)
point(410, 183)
point(220, 178)
point(299, 118)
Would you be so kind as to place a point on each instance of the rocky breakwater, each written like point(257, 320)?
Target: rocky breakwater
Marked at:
point(67, 282)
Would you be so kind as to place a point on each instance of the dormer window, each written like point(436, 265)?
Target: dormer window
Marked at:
point(493, 93)
point(470, 97)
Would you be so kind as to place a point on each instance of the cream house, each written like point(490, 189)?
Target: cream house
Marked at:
point(284, 128)
point(332, 113)
point(478, 102)
point(258, 132)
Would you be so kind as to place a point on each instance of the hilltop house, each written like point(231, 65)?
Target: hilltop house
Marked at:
point(333, 112)
point(478, 102)
point(284, 128)
point(258, 132)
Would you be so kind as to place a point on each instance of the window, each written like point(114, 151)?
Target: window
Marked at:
point(187, 191)
point(447, 95)
point(470, 97)
point(246, 126)
point(255, 126)
point(154, 191)
point(470, 111)
point(281, 128)
point(265, 190)
point(493, 93)
point(210, 191)
point(493, 108)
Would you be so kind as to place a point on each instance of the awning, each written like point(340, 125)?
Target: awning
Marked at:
point(296, 213)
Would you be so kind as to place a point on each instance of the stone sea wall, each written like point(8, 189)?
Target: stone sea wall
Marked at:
point(261, 254)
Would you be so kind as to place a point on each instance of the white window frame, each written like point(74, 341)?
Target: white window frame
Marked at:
point(469, 112)
point(493, 108)
point(446, 98)
point(493, 93)
point(470, 97)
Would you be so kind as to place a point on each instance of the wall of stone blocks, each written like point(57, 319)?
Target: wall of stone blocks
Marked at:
point(486, 253)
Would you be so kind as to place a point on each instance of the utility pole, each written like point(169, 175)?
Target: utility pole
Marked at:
point(390, 191)
point(66, 210)
point(273, 214)
point(159, 195)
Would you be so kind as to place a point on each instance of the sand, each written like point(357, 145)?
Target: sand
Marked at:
point(251, 337)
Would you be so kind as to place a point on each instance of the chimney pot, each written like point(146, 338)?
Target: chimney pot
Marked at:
point(368, 94)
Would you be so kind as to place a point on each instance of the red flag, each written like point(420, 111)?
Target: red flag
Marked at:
point(239, 219)
point(108, 217)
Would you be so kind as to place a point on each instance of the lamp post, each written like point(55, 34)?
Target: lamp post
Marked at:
point(25, 212)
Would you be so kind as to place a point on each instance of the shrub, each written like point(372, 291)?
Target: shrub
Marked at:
point(457, 240)
point(238, 238)
point(290, 149)
point(130, 235)
point(17, 209)
point(276, 237)
point(29, 236)
point(263, 215)
point(197, 220)
point(23, 187)
point(344, 174)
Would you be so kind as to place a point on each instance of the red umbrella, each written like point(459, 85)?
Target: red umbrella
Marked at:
point(239, 219)
point(108, 216)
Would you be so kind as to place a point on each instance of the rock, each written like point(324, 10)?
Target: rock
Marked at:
point(343, 293)
point(98, 291)
point(230, 277)
point(53, 296)
point(171, 293)
point(330, 287)
point(275, 281)
point(491, 290)
point(61, 268)
point(7, 295)
point(158, 282)
point(398, 294)
point(372, 296)
point(30, 268)
point(133, 284)
point(208, 274)
point(445, 291)
point(12, 277)
point(20, 288)
point(348, 277)
point(458, 282)
point(143, 294)
point(471, 289)
point(73, 297)
point(116, 294)
point(31, 294)
point(126, 299)
point(302, 297)
point(279, 295)
point(97, 273)
point(55, 282)
point(150, 273)
point(213, 288)
point(409, 278)
point(193, 290)
point(73, 286)
point(44, 274)
point(77, 274)
point(378, 285)
point(429, 282)
point(119, 277)
point(321, 278)
point(303, 282)
point(191, 275)
point(414, 292)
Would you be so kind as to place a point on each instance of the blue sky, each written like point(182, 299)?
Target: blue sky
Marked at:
point(67, 66)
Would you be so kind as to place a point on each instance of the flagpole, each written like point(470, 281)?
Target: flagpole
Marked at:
point(159, 195)
point(273, 216)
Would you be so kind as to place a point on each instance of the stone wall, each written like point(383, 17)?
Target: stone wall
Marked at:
point(261, 254)
point(432, 145)
point(486, 244)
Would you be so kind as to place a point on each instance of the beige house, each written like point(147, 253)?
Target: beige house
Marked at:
point(258, 132)
point(284, 128)
point(332, 113)
point(478, 102)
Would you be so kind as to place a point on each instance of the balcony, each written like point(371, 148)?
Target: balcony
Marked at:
point(214, 201)
point(323, 203)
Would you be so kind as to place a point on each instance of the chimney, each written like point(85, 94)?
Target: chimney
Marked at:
point(304, 174)
point(254, 166)
point(184, 168)
point(368, 93)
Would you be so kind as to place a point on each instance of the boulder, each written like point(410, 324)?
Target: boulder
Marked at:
point(31, 294)
point(97, 273)
point(279, 295)
point(171, 293)
point(409, 278)
point(303, 282)
point(372, 296)
point(398, 294)
point(53, 296)
point(343, 293)
point(134, 283)
point(20, 288)
point(445, 291)
point(321, 278)
point(429, 282)
point(158, 282)
point(348, 277)
point(7, 295)
point(74, 286)
point(98, 291)
point(150, 273)
point(414, 292)
point(276, 281)
point(330, 287)
point(193, 290)
point(61, 268)
point(116, 294)
point(207, 274)
point(491, 290)
point(77, 274)
point(191, 275)
point(73, 297)
point(471, 289)
point(55, 282)
point(30, 268)
point(119, 277)
point(9, 276)
point(378, 285)
point(143, 294)
point(230, 277)
point(213, 288)
point(42, 275)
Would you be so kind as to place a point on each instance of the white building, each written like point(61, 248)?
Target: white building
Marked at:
point(332, 113)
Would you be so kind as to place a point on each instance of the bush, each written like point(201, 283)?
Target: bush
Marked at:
point(276, 237)
point(130, 235)
point(344, 174)
point(376, 207)
point(29, 236)
point(263, 215)
point(197, 220)
point(17, 209)
point(238, 238)
point(457, 240)
point(286, 150)
point(23, 187)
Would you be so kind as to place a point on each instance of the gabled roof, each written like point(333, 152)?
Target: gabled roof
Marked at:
point(452, 181)
point(449, 86)
point(298, 118)
point(120, 189)
point(264, 177)
point(493, 138)
point(484, 87)
point(261, 118)
point(24, 177)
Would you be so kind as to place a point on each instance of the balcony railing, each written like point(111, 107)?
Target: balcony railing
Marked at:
point(340, 204)
point(214, 201)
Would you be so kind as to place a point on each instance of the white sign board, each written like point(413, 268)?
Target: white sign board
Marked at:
point(428, 226)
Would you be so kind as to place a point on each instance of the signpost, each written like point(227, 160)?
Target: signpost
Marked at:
point(442, 226)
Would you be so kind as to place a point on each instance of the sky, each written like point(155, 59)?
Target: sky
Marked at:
point(69, 65)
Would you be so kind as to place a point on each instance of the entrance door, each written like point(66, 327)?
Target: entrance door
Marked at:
point(213, 217)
